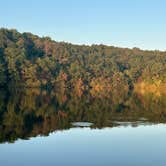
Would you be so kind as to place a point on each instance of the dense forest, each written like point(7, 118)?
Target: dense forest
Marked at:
point(27, 60)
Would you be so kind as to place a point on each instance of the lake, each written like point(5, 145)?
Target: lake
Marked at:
point(49, 128)
point(143, 145)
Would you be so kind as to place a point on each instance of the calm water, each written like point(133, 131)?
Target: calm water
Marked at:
point(63, 129)
point(84, 146)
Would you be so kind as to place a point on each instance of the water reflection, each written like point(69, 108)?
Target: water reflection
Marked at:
point(120, 146)
point(82, 124)
point(31, 112)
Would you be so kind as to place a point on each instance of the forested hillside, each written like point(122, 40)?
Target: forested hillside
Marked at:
point(30, 61)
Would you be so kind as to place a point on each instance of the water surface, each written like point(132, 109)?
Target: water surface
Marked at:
point(49, 128)
point(143, 145)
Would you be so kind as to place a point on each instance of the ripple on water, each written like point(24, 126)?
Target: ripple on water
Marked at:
point(82, 124)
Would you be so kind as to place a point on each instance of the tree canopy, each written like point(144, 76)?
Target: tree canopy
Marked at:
point(31, 61)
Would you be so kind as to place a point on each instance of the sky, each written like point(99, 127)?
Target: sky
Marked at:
point(122, 23)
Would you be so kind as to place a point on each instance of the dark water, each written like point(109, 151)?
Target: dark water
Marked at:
point(66, 129)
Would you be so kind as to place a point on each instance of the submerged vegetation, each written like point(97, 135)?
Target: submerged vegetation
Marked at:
point(27, 60)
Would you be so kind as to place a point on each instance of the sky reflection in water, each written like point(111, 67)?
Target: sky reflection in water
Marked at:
point(130, 146)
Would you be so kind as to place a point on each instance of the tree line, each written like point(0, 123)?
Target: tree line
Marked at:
point(27, 60)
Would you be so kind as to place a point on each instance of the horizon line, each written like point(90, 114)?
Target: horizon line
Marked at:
point(89, 44)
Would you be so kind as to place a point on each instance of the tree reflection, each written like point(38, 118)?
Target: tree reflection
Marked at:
point(31, 112)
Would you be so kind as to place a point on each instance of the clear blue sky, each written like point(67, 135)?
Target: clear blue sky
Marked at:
point(125, 23)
